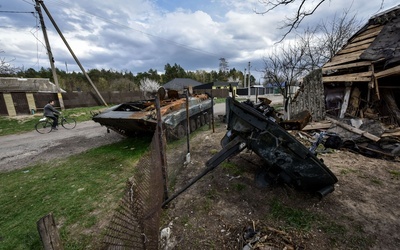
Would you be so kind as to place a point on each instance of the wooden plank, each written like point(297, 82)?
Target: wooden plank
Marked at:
point(49, 233)
point(355, 130)
point(345, 102)
point(392, 133)
point(368, 35)
point(362, 47)
point(344, 78)
point(367, 41)
point(391, 71)
point(346, 66)
point(372, 28)
point(354, 77)
point(317, 125)
point(347, 57)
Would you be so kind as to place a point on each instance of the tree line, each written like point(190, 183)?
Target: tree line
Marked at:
point(112, 80)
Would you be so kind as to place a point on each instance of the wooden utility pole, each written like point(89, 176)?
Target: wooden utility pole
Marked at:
point(50, 54)
point(69, 48)
point(248, 86)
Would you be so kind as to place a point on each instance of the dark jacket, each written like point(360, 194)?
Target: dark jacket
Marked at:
point(49, 110)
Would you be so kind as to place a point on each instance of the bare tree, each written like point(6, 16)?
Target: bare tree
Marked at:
point(5, 67)
point(336, 33)
point(284, 66)
point(303, 10)
point(309, 51)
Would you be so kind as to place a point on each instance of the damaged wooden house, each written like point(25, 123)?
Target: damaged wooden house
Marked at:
point(359, 89)
point(363, 79)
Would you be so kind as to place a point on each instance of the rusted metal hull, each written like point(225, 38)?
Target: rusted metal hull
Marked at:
point(133, 118)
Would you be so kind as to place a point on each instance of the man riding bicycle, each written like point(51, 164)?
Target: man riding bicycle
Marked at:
point(50, 112)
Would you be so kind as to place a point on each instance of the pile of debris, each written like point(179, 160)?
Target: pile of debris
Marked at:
point(261, 236)
point(365, 136)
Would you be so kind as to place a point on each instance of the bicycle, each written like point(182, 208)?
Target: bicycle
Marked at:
point(45, 124)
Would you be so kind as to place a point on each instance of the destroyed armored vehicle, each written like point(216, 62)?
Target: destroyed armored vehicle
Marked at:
point(254, 127)
point(286, 159)
point(138, 117)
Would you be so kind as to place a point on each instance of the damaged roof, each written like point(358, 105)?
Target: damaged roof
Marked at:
point(376, 42)
point(386, 45)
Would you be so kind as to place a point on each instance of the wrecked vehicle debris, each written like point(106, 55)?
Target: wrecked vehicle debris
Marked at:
point(286, 159)
point(133, 118)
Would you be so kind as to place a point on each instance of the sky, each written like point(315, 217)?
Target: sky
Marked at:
point(138, 35)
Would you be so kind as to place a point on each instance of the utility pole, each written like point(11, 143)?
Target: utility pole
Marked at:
point(69, 48)
point(50, 54)
point(244, 78)
point(248, 86)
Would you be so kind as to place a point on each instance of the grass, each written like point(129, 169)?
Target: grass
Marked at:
point(395, 174)
point(350, 234)
point(293, 217)
point(232, 168)
point(77, 190)
point(20, 124)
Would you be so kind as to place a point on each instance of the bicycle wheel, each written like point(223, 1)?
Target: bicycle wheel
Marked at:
point(43, 127)
point(68, 123)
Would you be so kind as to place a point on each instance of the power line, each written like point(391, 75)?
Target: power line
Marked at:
point(17, 12)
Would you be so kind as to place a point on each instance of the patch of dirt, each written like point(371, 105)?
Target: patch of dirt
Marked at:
point(226, 205)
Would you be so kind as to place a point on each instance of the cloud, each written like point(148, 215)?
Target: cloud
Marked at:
point(139, 35)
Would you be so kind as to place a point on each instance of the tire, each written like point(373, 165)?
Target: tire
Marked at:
point(202, 120)
point(68, 123)
point(43, 127)
point(193, 124)
point(198, 121)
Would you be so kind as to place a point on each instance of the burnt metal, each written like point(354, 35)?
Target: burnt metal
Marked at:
point(289, 161)
point(298, 122)
point(283, 155)
point(138, 117)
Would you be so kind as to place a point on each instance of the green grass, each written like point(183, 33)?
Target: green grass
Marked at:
point(220, 100)
point(81, 191)
point(232, 168)
point(20, 124)
point(293, 217)
point(395, 174)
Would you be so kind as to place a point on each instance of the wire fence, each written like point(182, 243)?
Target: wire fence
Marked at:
point(135, 224)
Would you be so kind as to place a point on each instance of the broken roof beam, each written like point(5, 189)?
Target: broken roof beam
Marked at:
point(391, 71)
point(355, 130)
point(346, 66)
point(355, 77)
point(351, 49)
point(346, 57)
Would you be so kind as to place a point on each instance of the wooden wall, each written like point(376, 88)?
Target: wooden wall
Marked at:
point(310, 97)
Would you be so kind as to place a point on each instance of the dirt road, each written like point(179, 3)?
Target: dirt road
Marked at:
point(18, 151)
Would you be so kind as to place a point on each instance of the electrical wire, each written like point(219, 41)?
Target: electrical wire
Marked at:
point(16, 12)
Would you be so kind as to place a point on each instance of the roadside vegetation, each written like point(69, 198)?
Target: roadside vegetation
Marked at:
point(20, 124)
point(81, 191)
